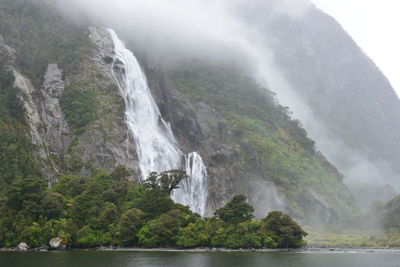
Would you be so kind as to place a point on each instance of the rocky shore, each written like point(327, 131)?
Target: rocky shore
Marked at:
point(200, 250)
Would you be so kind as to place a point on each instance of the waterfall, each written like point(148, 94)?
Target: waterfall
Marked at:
point(153, 137)
point(194, 191)
point(154, 140)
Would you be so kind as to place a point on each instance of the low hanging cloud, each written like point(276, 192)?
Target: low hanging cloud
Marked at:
point(174, 30)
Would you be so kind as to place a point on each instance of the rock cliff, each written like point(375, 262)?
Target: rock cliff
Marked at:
point(249, 143)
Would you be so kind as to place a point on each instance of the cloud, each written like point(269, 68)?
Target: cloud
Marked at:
point(174, 30)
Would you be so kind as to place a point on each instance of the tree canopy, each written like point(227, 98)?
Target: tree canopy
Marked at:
point(108, 209)
point(236, 211)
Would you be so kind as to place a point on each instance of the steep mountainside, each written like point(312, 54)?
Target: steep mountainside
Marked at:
point(64, 79)
point(353, 103)
point(74, 116)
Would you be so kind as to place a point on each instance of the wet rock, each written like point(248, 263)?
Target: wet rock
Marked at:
point(35, 124)
point(102, 39)
point(47, 124)
point(9, 51)
point(104, 143)
point(23, 247)
point(42, 249)
point(57, 243)
point(223, 154)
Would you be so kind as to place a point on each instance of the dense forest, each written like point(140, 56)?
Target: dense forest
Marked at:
point(110, 210)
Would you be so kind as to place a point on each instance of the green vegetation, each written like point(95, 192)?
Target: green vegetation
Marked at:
point(79, 107)
point(40, 37)
point(288, 233)
point(110, 210)
point(391, 215)
point(377, 227)
point(353, 238)
point(273, 146)
point(16, 159)
point(236, 211)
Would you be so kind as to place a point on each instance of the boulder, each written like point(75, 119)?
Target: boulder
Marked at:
point(57, 243)
point(23, 247)
point(42, 249)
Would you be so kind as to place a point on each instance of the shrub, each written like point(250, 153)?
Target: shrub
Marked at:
point(79, 106)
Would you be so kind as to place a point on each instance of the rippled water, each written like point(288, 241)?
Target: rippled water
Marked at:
point(177, 259)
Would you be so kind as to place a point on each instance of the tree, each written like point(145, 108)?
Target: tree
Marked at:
point(193, 235)
point(236, 211)
point(120, 173)
point(245, 235)
point(25, 191)
point(107, 216)
point(161, 231)
point(167, 181)
point(71, 185)
point(79, 106)
point(129, 225)
point(52, 205)
point(154, 202)
point(287, 232)
point(391, 214)
point(203, 232)
point(110, 195)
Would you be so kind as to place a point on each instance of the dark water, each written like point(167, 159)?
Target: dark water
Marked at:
point(177, 259)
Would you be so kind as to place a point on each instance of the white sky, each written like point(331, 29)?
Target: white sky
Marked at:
point(375, 26)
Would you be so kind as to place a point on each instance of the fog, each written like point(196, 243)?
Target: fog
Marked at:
point(177, 30)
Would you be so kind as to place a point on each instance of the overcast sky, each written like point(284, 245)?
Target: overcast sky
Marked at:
point(375, 26)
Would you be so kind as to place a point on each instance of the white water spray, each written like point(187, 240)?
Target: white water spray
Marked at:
point(194, 191)
point(155, 143)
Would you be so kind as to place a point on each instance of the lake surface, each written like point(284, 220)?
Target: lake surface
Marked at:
point(218, 259)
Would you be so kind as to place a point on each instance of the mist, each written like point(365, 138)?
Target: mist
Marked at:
point(173, 31)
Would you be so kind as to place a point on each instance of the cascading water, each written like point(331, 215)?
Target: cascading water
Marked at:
point(155, 143)
point(194, 191)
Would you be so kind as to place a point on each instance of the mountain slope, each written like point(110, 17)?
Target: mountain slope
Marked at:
point(355, 109)
point(74, 117)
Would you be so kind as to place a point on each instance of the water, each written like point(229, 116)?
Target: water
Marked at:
point(153, 137)
point(184, 259)
point(194, 191)
point(156, 145)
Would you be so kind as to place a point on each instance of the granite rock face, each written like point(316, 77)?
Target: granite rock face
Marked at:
point(57, 130)
point(7, 50)
point(36, 127)
point(104, 144)
point(48, 127)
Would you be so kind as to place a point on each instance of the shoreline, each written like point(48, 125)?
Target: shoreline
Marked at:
point(212, 250)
